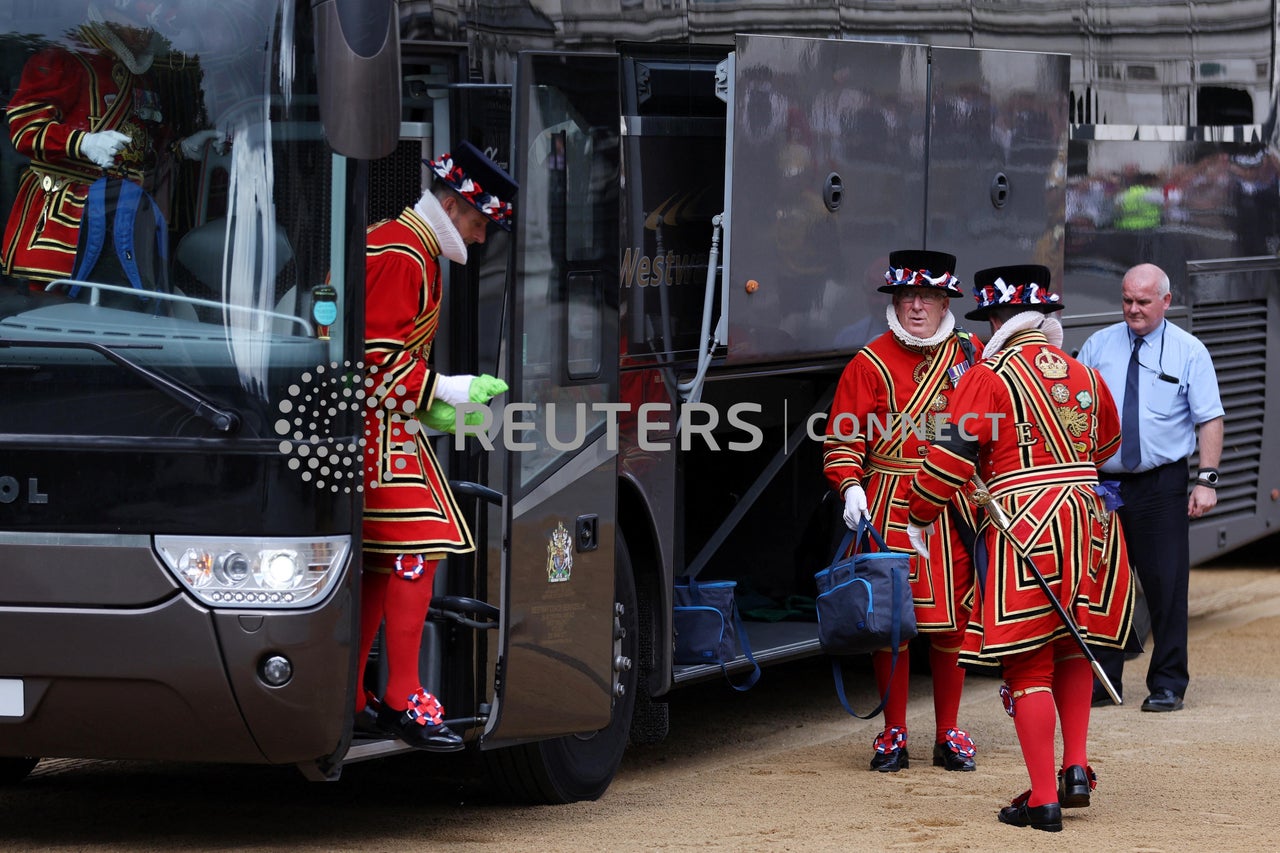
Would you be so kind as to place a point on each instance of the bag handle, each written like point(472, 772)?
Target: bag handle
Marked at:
point(695, 595)
point(865, 529)
point(895, 641)
point(751, 679)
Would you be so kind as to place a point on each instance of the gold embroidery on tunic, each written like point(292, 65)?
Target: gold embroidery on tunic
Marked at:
point(1051, 365)
point(1073, 420)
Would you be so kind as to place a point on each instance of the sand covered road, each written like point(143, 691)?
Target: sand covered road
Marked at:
point(779, 768)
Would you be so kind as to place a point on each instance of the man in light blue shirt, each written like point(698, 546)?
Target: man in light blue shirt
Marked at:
point(1164, 383)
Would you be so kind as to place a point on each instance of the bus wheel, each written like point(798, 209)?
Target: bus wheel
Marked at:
point(581, 766)
point(14, 770)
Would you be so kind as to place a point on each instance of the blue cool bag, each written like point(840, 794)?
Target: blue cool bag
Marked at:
point(708, 628)
point(864, 604)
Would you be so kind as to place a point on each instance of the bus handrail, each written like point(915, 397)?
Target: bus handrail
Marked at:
point(95, 298)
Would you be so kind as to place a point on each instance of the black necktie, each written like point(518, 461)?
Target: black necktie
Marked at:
point(1130, 431)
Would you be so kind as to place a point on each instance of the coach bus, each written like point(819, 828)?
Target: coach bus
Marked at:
point(709, 191)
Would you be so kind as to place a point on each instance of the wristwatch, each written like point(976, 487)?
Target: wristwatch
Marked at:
point(1207, 477)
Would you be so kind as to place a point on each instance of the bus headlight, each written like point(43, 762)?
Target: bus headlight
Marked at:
point(281, 570)
point(230, 571)
point(195, 568)
point(232, 568)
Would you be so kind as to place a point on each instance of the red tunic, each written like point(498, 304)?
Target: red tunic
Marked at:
point(61, 97)
point(888, 379)
point(1053, 423)
point(408, 506)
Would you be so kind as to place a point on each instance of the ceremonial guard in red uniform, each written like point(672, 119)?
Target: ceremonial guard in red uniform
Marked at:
point(411, 520)
point(80, 114)
point(1049, 422)
point(894, 396)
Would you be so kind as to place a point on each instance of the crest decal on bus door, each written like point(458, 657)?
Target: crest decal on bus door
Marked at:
point(559, 555)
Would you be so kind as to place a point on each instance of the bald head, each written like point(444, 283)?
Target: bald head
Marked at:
point(1145, 296)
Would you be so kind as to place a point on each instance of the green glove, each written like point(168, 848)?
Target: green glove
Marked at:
point(485, 387)
point(442, 417)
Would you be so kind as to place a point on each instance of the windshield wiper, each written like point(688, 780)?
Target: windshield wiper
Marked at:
point(223, 420)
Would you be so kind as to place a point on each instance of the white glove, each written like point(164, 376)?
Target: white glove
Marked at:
point(855, 506)
point(917, 536)
point(103, 146)
point(193, 146)
point(454, 390)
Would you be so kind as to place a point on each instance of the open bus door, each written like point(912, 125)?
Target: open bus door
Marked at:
point(563, 651)
point(844, 150)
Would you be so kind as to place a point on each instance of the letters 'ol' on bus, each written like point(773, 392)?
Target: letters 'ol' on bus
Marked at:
point(705, 210)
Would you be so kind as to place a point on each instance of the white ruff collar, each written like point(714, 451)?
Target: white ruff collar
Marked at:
point(451, 245)
point(1050, 326)
point(137, 64)
point(945, 329)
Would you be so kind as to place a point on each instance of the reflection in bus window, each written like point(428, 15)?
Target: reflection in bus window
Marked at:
point(165, 188)
point(571, 171)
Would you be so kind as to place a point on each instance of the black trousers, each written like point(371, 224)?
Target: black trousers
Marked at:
point(1156, 529)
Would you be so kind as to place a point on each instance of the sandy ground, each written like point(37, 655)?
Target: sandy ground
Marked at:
point(779, 768)
point(796, 779)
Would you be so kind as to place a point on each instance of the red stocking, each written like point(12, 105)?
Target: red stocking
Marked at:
point(1030, 678)
point(895, 710)
point(407, 603)
point(373, 596)
point(948, 682)
point(1034, 719)
point(1073, 692)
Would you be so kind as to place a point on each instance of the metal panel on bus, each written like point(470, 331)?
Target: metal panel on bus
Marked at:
point(556, 650)
point(827, 163)
point(998, 158)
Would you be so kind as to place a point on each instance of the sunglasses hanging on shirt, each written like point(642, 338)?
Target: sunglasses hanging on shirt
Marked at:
point(1159, 372)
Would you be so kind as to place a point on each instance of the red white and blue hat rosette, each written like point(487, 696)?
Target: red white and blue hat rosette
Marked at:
point(1023, 286)
point(921, 268)
point(483, 183)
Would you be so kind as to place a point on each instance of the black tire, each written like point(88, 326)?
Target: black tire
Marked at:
point(14, 770)
point(651, 718)
point(577, 767)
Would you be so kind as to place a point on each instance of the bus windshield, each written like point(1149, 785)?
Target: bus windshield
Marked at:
point(172, 260)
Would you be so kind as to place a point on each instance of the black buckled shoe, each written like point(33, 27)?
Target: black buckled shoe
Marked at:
point(1046, 818)
point(407, 726)
point(956, 752)
point(1075, 784)
point(366, 722)
point(366, 719)
point(891, 751)
point(1163, 700)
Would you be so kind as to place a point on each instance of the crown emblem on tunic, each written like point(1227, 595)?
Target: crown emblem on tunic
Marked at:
point(1051, 365)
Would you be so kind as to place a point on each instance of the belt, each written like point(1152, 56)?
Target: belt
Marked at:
point(901, 465)
point(1127, 476)
point(1044, 475)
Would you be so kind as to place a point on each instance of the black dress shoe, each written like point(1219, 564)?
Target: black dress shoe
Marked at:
point(1075, 783)
point(891, 761)
point(366, 722)
point(402, 724)
point(1101, 700)
point(956, 752)
point(1047, 818)
point(891, 751)
point(1163, 700)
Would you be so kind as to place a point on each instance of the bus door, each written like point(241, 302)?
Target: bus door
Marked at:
point(826, 164)
point(558, 669)
point(841, 151)
point(998, 157)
